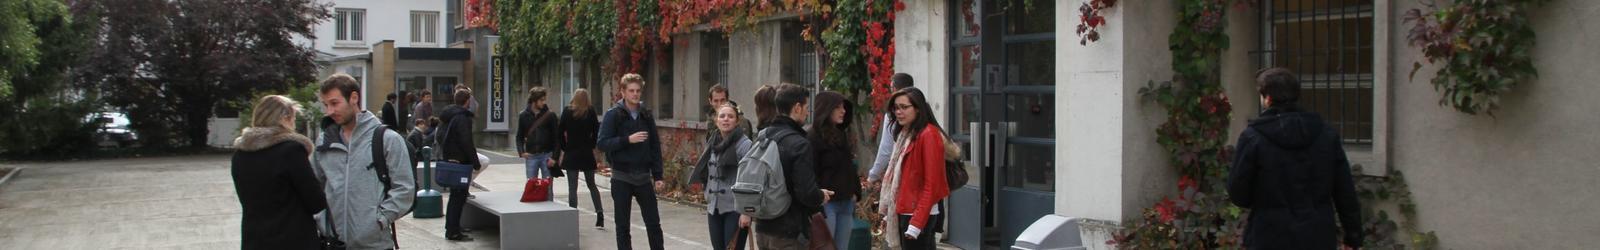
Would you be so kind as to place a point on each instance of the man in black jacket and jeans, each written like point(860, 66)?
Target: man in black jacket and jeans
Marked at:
point(538, 141)
point(1290, 170)
point(788, 231)
point(633, 147)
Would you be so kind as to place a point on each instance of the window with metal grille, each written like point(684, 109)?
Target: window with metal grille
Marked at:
point(808, 75)
point(424, 28)
point(349, 25)
point(1329, 45)
point(453, 20)
point(715, 56)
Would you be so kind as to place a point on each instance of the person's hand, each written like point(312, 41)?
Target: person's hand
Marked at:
point(638, 137)
point(875, 184)
point(911, 232)
point(524, 155)
point(744, 221)
point(827, 195)
point(550, 162)
point(660, 184)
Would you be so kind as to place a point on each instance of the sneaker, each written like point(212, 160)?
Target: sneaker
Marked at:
point(458, 237)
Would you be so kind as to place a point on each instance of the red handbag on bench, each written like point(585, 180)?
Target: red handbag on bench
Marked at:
point(537, 190)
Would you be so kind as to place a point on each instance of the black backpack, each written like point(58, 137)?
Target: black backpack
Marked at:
point(380, 164)
point(380, 160)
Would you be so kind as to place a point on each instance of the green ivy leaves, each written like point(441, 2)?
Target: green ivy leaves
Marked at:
point(1482, 48)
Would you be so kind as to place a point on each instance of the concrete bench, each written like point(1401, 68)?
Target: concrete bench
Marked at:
point(537, 225)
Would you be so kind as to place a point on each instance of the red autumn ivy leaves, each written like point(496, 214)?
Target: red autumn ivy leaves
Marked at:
point(1090, 20)
point(480, 13)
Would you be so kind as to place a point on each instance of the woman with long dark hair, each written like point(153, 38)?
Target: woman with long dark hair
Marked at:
point(715, 174)
point(834, 155)
point(915, 182)
point(579, 128)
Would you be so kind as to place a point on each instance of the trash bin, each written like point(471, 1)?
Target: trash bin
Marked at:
point(860, 237)
point(429, 203)
point(1050, 232)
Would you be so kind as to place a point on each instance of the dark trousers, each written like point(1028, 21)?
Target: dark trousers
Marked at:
point(779, 242)
point(452, 211)
point(572, 194)
point(623, 194)
point(924, 240)
point(725, 228)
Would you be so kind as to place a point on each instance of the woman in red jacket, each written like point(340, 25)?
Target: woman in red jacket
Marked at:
point(917, 182)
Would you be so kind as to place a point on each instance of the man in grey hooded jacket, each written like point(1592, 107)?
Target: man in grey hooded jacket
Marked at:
point(362, 212)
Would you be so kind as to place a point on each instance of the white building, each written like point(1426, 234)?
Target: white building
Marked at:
point(347, 43)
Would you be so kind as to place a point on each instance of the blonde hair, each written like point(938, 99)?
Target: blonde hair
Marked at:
point(271, 110)
point(580, 101)
point(633, 78)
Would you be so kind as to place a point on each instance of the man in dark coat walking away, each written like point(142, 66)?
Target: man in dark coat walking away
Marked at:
point(456, 145)
point(1290, 170)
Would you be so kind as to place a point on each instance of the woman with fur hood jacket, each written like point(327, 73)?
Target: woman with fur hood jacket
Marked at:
point(273, 176)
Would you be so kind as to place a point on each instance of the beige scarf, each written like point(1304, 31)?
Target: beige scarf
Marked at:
point(891, 187)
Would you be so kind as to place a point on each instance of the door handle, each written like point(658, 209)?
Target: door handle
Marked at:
point(978, 143)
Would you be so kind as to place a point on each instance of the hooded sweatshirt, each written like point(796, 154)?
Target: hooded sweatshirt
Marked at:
point(356, 199)
point(1290, 170)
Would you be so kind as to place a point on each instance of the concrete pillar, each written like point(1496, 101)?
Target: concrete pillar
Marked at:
point(380, 78)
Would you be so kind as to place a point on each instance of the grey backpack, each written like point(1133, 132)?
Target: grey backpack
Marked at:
point(759, 189)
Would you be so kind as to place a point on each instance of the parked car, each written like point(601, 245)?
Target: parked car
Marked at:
point(112, 130)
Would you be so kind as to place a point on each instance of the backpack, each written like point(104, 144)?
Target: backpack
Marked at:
point(759, 189)
point(380, 160)
point(380, 164)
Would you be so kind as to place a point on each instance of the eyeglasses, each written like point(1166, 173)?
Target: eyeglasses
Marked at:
point(903, 107)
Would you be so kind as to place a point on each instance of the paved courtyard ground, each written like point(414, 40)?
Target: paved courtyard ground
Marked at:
point(189, 203)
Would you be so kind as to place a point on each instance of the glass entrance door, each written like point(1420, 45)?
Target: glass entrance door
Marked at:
point(441, 86)
point(1002, 58)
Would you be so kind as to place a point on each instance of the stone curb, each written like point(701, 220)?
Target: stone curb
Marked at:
point(14, 172)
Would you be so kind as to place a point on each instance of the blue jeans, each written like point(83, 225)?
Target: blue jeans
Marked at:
point(538, 165)
point(841, 218)
point(725, 229)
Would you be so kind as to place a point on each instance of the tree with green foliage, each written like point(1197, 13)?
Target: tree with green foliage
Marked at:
point(171, 63)
point(39, 44)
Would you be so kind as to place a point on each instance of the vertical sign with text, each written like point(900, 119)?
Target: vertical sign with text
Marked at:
point(497, 87)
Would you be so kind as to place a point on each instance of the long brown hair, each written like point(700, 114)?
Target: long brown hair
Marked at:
point(924, 113)
point(765, 108)
point(580, 102)
point(823, 129)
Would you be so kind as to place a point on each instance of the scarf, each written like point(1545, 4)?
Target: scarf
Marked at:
point(891, 188)
point(725, 156)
